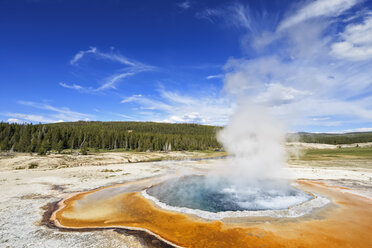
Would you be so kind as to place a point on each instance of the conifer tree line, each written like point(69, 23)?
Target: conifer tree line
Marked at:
point(138, 136)
point(132, 136)
point(334, 139)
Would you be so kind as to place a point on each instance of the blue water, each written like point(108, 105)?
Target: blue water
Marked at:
point(198, 192)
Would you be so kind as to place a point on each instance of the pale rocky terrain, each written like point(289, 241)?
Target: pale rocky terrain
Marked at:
point(21, 161)
point(24, 192)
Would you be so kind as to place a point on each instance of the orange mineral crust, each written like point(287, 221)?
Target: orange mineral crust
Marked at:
point(347, 223)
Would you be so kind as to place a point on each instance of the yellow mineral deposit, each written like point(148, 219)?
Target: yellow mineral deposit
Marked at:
point(346, 222)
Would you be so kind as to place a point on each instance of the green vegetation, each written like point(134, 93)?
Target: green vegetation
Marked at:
point(84, 150)
point(98, 136)
point(128, 136)
point(33, 165)
point(107, 170)
point(340, 153)
point(334, 139)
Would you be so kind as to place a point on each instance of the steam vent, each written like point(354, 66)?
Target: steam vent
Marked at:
point(192, 211)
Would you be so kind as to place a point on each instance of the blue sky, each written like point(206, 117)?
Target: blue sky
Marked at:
point(308, 62)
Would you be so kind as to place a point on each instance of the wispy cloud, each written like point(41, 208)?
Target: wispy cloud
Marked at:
point(72, 86)
point(102, 55)
point(130, 68)
point(81, 54)
point(124, 116)
point(14, 120)
point(215, 76)
point(30, 118)
point(50, 114)
point(356, 41)
point(362, 129)
point(277, 94)
point(131, 98)
point(174, 107)
point(111, 82)
point(184, 4)
point(301, 78)
point(235, 15)
point(317, 9)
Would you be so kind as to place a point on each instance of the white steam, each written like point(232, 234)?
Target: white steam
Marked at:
point(255, 142)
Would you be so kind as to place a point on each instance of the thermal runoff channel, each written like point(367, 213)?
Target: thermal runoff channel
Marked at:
point(252, 178)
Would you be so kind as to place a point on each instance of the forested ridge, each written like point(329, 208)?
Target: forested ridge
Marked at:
point(138, 136)
point(132, 136)
point(335, 139)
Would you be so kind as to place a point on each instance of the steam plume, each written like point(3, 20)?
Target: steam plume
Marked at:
point(255, 142)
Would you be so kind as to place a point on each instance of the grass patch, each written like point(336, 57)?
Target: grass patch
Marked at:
point(20, 168)
point(107, 170)
point(33, 165)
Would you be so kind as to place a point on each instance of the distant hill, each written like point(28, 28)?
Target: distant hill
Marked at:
point(335, 139)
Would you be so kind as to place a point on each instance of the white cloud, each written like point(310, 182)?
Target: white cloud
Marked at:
point(215, 76)
point(301, 83)
point(72, 86)
point(30, 118)
point(362, 129)
point(277, 94)
point(111, 82)
point(102, 55)
point(81, 54)
point(177, 98)
point(184, 4)
point(14, 120)
point(130, 68)
point(131, 98)
point(193, 117)
point(316, 9)
point(148, 104)
point(235, 15)
point(52, 114)
point(321, 119)
point(356, 43)
point(296, 91)
point(124, 116)
point(176, 108)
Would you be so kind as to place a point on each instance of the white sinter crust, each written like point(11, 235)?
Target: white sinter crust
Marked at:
point(292, 212)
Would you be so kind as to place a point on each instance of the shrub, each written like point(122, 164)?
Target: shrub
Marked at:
point(41, 151)
point(33, 165)
point(84, 150)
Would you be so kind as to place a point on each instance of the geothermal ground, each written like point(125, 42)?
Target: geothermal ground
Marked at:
point(27, 195)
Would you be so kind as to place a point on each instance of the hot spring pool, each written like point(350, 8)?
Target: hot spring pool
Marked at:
point(199, 192)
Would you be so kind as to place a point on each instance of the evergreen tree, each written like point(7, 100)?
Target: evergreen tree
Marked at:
point(84, 150)
point(140, 136)
point(60, 146)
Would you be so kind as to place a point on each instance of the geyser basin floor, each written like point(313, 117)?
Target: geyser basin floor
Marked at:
point(347, 223)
